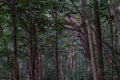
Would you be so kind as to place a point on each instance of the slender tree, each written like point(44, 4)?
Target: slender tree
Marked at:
point(92, 50)
point(15, 61)
point(98, 40)
point(87, 50)
point(61, 68)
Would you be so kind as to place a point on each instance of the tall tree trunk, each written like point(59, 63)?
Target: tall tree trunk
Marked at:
point(57, 61)
point(98, 41)
point(87, 50)
point(34, 46)
point(92, 50)
point(15, 61)
point(56, 45)
point(31, 55)
point(39, 63)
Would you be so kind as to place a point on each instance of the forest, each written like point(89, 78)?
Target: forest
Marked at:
point(59, 39)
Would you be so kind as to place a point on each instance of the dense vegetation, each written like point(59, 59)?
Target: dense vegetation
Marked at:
point(59, 39)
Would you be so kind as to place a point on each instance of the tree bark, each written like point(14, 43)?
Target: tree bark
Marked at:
point(39, 63)
point(86, 42)
point(92, 50)
point(57, 61)
point(98, 40)
point(15, 61)
point(61, 68)
point(34, 46)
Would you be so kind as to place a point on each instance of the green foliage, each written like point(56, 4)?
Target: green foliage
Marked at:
point(47, 17)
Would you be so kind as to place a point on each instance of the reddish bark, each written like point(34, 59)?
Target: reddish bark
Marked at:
point(98, 41)
point(35, 63)
point(39, 64)
point(15, 61)
point(92, 50)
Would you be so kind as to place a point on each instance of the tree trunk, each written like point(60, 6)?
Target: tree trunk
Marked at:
point(34, 46)
point(56, 46)
point(72, 62)
point(39, 64)
point(86, 42)
point(98, 41)
point(57, 61)
point(31, 55)
point(61, 68)
point(15, 61)
point(92, 50)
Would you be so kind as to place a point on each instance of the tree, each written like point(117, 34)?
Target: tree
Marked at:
point(98, 40)
point(15, 62)
point(59, 39)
